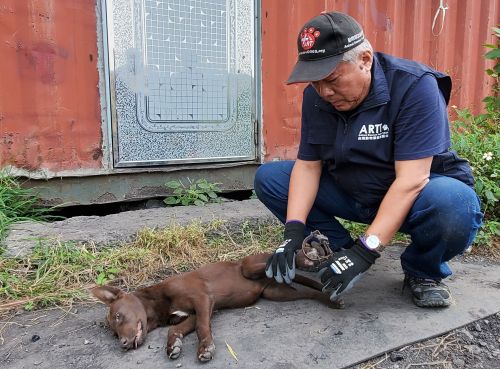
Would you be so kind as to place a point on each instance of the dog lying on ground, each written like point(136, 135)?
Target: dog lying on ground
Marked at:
point(187, 302)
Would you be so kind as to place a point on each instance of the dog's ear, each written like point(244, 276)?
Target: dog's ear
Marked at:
point(106, 294)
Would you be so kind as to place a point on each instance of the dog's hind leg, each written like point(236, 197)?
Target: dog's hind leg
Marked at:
point(176, 333)
point(254, 266)
point(295, 291)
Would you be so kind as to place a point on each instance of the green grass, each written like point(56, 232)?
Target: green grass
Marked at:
point(61, 273)
point(356, 229)
point(17, 204)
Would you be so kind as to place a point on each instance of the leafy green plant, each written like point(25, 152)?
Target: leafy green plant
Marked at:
point(18, 203)
point(492, 103)
point(105, 274)
point(199, 192)
point(477, 138)
point(489, 230)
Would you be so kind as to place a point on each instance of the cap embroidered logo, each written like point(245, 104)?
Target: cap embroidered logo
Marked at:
point(321, 43)
point(308, 38)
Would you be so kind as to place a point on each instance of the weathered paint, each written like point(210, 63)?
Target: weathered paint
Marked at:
point(50, 115)
point(399, 27)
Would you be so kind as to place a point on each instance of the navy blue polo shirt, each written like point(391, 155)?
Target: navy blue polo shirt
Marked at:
point(403, 117)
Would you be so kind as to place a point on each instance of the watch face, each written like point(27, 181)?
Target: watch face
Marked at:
point(372, 242)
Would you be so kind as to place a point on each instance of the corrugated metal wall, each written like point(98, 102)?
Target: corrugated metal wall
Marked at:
point(399, 27)
point(50, 115)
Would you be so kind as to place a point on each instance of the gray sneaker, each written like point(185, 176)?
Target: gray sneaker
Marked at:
point(428, 292)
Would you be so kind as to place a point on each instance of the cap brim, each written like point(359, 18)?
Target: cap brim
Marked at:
point(313, 70)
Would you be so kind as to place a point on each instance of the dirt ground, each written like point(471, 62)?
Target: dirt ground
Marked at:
point(475, 346)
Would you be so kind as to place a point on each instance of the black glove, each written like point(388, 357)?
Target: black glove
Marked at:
point(346, 268)
point(281, 265)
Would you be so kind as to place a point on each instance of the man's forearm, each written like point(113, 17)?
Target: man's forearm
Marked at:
point(411, 178)
point(394, 208)
point(304, 183)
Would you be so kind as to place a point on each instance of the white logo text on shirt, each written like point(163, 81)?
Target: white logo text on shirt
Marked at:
point(373, 132)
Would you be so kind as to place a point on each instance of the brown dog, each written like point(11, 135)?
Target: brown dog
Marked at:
point(188, 300)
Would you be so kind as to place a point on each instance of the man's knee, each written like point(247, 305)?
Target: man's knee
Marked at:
point(448, 194)
point(452, 207)
point(270, 175)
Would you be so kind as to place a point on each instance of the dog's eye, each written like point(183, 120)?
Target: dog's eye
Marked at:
point(118, 317)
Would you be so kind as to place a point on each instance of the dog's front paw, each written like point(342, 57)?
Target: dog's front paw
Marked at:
point(337, 304)
point(206, 352)
point(174, 349)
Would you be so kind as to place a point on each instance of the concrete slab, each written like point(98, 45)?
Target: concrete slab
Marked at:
point(301, 334)
point(122, 227)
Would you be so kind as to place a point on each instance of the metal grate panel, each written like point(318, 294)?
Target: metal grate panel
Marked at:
point(186, 44)
point(182, 81)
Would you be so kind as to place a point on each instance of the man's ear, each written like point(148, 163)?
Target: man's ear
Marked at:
point(366, 59)
point(106, 294)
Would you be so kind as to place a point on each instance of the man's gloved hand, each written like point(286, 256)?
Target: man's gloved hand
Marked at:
point(281, 265)
point(346, 268)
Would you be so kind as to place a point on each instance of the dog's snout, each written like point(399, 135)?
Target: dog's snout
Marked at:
point(124, 342)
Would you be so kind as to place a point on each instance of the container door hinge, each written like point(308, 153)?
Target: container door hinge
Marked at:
point(256, 132)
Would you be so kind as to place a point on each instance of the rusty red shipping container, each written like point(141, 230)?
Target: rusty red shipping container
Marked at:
point(50, 114)
point(52, 122)
point(399, 27)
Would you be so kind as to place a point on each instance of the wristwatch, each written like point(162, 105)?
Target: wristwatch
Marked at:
point(372, 242)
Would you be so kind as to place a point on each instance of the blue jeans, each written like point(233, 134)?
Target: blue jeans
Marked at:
point(442, 222)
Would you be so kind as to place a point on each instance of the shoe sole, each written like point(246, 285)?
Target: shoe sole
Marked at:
point(432, 303)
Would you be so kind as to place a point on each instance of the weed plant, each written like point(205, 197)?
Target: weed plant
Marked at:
point(199, 192)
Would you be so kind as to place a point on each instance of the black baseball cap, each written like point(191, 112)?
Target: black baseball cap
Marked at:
point(321, 43)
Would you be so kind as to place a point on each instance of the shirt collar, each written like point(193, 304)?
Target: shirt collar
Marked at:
point(378, 94)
